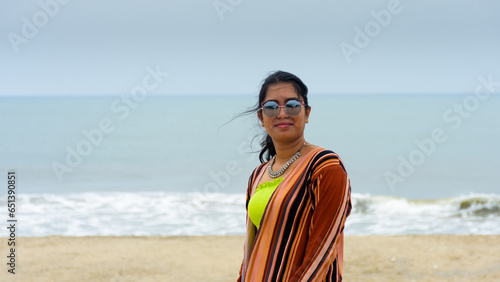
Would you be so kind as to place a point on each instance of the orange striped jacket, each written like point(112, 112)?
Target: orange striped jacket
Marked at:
point(301, 235)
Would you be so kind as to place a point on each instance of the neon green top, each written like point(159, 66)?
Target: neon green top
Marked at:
point(260, 198)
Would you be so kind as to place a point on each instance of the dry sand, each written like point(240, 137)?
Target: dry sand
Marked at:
point(218, 258)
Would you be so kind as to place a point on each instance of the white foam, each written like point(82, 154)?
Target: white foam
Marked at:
point(383, 215)
point(158, 213)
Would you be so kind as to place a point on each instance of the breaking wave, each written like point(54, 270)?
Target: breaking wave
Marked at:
point(169, 214)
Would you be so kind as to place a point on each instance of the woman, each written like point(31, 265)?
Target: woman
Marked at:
point(299, 197)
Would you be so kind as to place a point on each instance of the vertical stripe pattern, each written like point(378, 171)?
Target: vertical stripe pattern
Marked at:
point(301, 235)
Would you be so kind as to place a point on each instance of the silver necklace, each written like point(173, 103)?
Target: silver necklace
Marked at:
point(275, 174)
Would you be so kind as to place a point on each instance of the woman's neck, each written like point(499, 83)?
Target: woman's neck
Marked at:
point(285, 151)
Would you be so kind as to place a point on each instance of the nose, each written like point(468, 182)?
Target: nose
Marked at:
point(281, 112)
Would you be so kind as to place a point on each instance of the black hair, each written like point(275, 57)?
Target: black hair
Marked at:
point(267, 146)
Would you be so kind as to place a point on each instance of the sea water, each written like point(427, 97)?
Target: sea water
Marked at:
point(170, 165)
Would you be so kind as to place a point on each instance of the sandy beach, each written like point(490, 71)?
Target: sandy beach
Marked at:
point(218, 258)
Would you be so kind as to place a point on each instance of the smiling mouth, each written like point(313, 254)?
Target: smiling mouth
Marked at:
point(283, 125)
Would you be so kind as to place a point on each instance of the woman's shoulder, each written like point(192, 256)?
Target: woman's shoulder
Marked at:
point(326, 159)
point(321, 152)
point(257, 169)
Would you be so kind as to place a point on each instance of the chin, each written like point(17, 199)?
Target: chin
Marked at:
point(284, 136)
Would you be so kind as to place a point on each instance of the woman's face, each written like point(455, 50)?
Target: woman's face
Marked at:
point(284, 128)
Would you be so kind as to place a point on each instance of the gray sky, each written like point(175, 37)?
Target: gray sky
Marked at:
point(104, 46)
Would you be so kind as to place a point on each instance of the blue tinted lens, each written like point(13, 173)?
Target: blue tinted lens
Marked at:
point(292, 108)
point(271, 105)
point(270, 109)
point(293, 104)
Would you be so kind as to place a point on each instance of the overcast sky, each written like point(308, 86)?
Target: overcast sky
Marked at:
point(97, 47)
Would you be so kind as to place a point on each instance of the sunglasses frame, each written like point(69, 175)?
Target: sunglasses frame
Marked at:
point(284, 106)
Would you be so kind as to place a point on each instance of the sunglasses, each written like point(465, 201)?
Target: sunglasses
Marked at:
point(272, 109)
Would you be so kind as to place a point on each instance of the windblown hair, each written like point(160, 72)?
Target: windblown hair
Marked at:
point(267, 147)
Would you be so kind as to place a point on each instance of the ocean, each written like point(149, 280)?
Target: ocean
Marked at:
point(179, 165)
